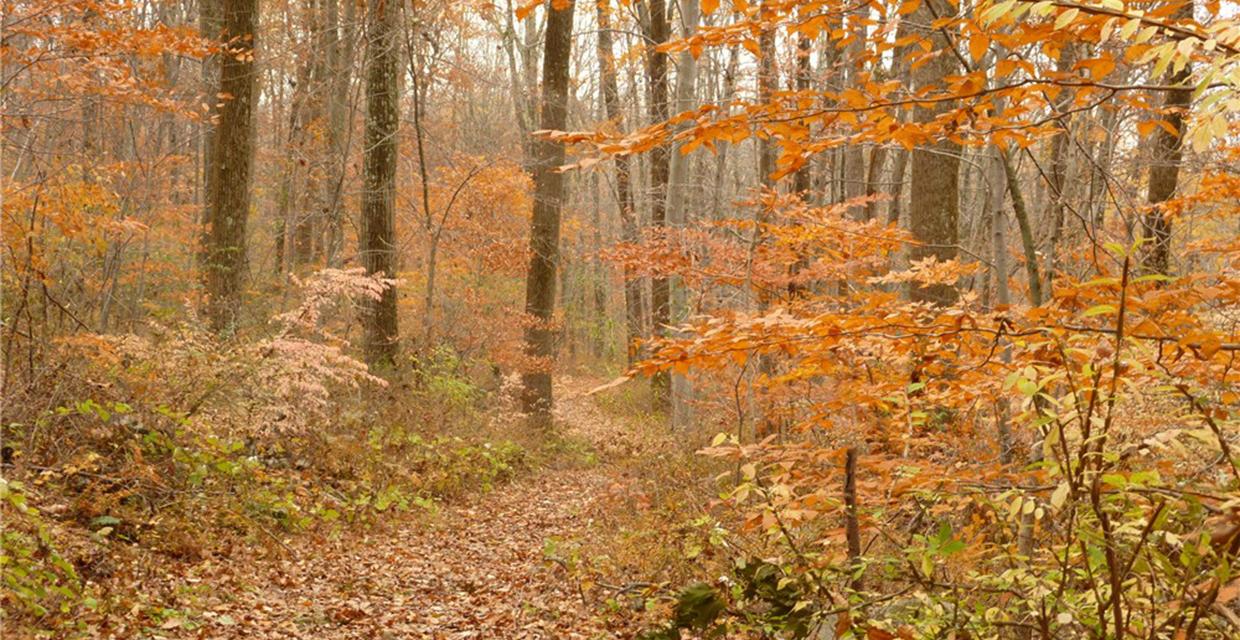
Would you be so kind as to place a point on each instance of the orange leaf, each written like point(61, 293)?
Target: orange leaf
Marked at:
point(523, 11)
point(979, 44)
point(1229, 592)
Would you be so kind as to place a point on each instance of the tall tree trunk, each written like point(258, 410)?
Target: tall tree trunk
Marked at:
point(900, 71)
point(727, 88)
point(624, 189)
point(1103, 153)
point(873, 177)
point(232, 158)
point(309, 207)
point(520, 99)
point(377, 230)
point(340, 47)
point(853, 155)
point(1165, 167)
point(767, 80)
point(802, 181)
point(598, 273)
point(536, 397)
point(1032, 270)
point(678, 197)
point(997, 181)
point(898, 171)
point(935, 169)
point(1057, 180)
point(660, 302)
point(209, 28)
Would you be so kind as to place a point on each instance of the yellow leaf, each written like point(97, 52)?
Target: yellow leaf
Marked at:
point(1066, 18)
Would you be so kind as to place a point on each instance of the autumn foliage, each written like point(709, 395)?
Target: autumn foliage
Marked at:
point(903, 318)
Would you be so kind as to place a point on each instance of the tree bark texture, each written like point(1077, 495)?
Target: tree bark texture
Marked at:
point(377, 230)
point(540, 285)
point(935, 169)
point(230, 165)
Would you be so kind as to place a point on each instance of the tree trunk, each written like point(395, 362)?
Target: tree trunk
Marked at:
point(340, 47)
point(599, 326)
point(209, 27)
point(678, 198)
point(536, 397)
point(853, 155)
point(1032, 270)
point(624, 189)
point(377, 232)
point(873, 176)
point(520, 99)
point(767, 79)
point(934, 210)
point(660, 303)
point(1165, 168)
point(802, 181)
point(231, 162)
point(1058, 174)
point(997, 181)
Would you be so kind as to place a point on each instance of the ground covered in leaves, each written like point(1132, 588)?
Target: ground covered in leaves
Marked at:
point(478, 568)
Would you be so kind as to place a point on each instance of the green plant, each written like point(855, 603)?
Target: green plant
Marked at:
point(37, 578)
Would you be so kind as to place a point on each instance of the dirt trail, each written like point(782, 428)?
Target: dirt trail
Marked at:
point(476, 571)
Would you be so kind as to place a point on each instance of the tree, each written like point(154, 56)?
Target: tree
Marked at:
point(678, 195)
point(624, 189)
point(935, 167)
point(536, 398)
point(231, 162)
point(377, 232)
point(660, 293)
point(1165, 165)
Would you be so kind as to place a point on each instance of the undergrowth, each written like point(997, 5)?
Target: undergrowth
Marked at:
point(106, 461)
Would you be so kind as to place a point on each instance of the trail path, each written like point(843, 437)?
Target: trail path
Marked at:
point(477, 571)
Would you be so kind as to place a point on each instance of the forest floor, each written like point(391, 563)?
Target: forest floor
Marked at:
point(475, 569)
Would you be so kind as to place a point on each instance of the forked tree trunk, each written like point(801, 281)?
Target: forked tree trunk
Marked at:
point(377, 232)
point(536, 397)
point(231, 162)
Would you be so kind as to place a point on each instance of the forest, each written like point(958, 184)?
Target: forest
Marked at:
point(650, 319)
